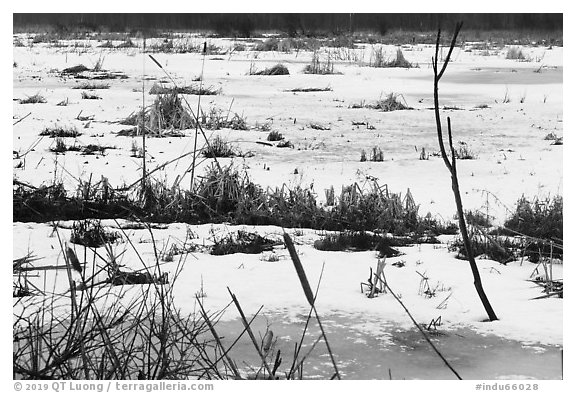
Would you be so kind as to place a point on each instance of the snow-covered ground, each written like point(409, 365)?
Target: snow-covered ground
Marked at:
point(256, 281)
point(508, 138)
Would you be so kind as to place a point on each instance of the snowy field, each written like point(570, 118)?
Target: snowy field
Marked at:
point(501, 109)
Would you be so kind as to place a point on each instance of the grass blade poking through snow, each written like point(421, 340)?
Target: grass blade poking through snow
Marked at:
point(309, 296)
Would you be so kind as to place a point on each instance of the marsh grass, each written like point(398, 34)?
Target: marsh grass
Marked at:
point(539, 218)
point(60, 146)
point(389, 103)
point(356, 241)
point(227, 194)
point(92, 86)
point(278, 69)
point(285, 143)
point(309, 89)
point(33, 99)
point(497, 249)
point(378, 59)
point(189, 89)
point(219, 147)
point(91, 233)
point(319, 67)
point(92, 332)
point(242, 242)
point(515, 53)
point(90, 96)
point(464, 152)
point(274, 136)
point(217, 119)
point(59, 131)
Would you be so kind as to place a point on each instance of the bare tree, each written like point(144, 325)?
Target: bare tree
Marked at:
point(451, 165)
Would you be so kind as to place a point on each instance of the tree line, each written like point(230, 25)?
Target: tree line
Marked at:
point(244, 25)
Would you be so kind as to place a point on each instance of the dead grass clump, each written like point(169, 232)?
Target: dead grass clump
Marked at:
point(61, 147)
point(373, 207)
point(319, 67)
point(320, 127)
point(216, 119)
point(227, 194)
point(515, 53)
point(191, 89)
point(376, 154)
point(539, 218)
point(496, 249)
point(90, 96)
point(477, 218)
point(75, 69)
point(92, 86)
point(167, 112)
point(107, 44)
point(127, 43)
point(92, 149)
point(162, 118)
point(399, 62)
point(278, 69)
point(34, 99)
point(356, 241)
point(556, 140)
point(89, 332)
point(274, 136)
point(392, 102)
point(309, 89)
point(268, 45)
point(60, 132)
point(219, 147)
point(242, 242)
point(91, 233)
point(285, 143)
point(464, 152)
point(52, 202)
